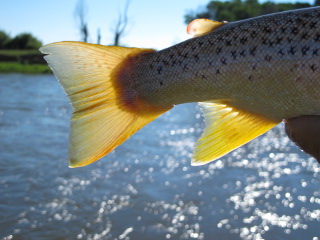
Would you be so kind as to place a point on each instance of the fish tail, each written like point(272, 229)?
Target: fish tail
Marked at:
point(106, 111)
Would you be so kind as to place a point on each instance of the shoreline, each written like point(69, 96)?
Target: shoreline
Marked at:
point(15, 67)
point(23, 61)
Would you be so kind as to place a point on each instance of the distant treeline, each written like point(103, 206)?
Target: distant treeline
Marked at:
point(21, 41)
point(237, 10)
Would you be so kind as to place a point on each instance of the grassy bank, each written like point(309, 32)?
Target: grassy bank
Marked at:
point(18, 52)
point(22, 61)
point(13, 67)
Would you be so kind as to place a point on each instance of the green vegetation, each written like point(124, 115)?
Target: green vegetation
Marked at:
point(21, 55)
point(12, 67)
point(10, 52)
point(237, 10)
point(21, 41)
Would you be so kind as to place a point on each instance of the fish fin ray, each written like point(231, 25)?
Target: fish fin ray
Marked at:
point(100, 120)
point(201, 26)
point(227, 128)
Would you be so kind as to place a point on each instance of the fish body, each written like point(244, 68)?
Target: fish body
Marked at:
point(248, 76)
point(268, 65)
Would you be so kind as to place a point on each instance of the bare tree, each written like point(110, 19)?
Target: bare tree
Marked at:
point(80, 13)
point(98, 36)
point(121, 25)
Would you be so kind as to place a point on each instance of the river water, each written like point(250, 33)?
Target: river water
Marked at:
point(146, 188)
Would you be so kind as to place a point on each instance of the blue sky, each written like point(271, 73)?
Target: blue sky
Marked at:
point(154, 24)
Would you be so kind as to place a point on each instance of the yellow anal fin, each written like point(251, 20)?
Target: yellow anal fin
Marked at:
point(201, 26)
point(101, 120)
point(227, 128)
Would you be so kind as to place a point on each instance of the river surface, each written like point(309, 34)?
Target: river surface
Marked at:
point(146, 188)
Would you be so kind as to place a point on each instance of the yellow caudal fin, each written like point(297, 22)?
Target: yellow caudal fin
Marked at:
point(91, 77)
point(227, 128)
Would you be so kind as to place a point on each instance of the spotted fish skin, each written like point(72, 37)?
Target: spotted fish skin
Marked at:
point(267, 65)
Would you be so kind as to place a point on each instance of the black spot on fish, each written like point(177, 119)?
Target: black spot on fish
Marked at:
point(271, 43)
point(279, 40)
point(317, 37)
point(171, 55)
point(289, 39)
point(235, 36)
point(180, 62)
point(280, 52)
point(283, 30)
point(227, 34)
point(165, 62)
point(218, 50)
point(312, 25)
point(264, 41)
point(161, 83)
point(278, 22)
point(253, 34)
point(306, 15)
point(305, 36)
point(200, 44)
point(203, 76)
point(292, 50)
point(290, 21)
point(305, 50)
point(157, 60)
point(211, 42)
point(218, 71)
point(299, 21)
point(224, 61)
point(243, 40)
point(268, 58)
point(234, 54)
point(228, 42)
point(243, 53)
point(250, 78)
point(294, 30)
point(313, 67)
point(173, 62)
point(210, 63)
point(253, 51)
point(193, 48)
point(315, 52)
point(196, 57)
point(267, 29)
point(185, 68)
point(254, 67)
point(159, 69)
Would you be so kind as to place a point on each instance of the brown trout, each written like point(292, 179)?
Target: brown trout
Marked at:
point(248, 76)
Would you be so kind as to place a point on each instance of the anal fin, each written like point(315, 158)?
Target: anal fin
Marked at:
point(227, 128)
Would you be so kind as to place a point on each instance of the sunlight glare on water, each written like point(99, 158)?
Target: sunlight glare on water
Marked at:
point(146, 188)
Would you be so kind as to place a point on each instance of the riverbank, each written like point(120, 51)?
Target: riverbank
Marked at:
point(23, 61)
point(12, 67)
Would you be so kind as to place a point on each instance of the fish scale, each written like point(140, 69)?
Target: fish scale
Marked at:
point(248, 76)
